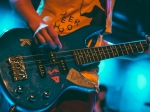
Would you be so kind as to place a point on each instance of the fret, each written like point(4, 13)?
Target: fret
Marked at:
point(82, 56)
point(136, 47)
point(99, 53)
point(126, 48)
point(88, 55)
point(120, 53)
point(95, 54)
point(92, 54)
point(131, 48)
point(79, 56)
point(145, 45)
point(79, 59)
point(115, 51)
point(142, 46)
point(76, 57)
point(86, 59)
point(102, 52)
point(108, 51)
point(139, 47)
point(112, 51)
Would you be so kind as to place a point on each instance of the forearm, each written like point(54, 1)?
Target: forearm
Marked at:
point(27, 11)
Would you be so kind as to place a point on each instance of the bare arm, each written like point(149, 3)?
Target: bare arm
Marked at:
point(27, 11)
point(44, 33)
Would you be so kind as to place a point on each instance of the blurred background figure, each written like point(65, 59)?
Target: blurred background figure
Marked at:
point(101, 102)
point(101, 105)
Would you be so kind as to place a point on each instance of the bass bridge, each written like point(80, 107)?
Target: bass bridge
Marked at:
point(18, 68)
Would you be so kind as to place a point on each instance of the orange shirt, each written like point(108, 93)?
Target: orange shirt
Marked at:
point(67, 16)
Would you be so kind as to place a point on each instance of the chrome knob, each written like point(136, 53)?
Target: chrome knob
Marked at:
point(46, 95)
point(19, 90)
point(32, 98)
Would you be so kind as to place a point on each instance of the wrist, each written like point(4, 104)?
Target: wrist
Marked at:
point(42, 25)
point(34, 25)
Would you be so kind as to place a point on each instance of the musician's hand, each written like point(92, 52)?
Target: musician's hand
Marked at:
point(46, 35)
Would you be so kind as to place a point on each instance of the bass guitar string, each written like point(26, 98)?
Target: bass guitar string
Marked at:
point(99, 51)
point(83, 49)
point(104, 50)
point(67, 56)
point(104, 54)
point(55, 62)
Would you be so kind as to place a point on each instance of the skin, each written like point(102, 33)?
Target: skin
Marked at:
point(45, 35)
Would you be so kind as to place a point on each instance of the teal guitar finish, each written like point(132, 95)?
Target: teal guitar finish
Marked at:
point(32, 78)
point(31, 81)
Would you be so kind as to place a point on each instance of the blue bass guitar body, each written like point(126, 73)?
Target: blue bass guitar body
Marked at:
point(33, 79)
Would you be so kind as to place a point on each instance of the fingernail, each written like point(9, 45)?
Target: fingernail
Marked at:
point(42, 45)
point(60, 46)
point(53, 47)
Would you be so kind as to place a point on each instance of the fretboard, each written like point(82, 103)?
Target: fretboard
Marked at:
point(88, 55)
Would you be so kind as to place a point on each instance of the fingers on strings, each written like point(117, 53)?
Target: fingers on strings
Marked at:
point(47, 36)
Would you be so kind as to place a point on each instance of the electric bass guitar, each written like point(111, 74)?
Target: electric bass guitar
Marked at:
point(33, 79)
